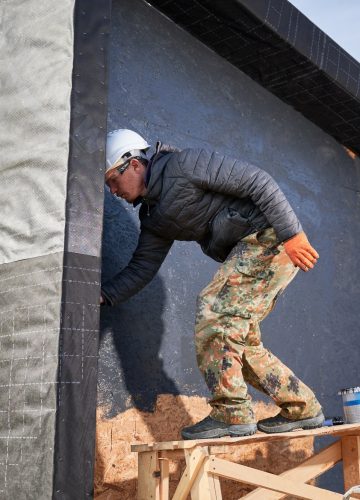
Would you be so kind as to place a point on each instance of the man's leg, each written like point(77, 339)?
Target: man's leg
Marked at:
point(267, 373)
point(260, 367)
point(220, 343)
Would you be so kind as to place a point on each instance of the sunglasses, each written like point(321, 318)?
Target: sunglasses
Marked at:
point(123, 167)
point(126, 164)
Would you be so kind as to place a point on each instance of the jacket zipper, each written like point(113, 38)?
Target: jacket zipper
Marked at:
point(148, 206)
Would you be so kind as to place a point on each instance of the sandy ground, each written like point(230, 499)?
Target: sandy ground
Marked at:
point(116, 465)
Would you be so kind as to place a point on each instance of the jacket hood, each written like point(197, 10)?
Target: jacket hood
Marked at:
point(154, 171)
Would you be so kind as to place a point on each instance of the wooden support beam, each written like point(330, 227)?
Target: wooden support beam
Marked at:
point(164, 478)
point(149, 476)
point(200, 488)
point(268, 481)
point(214, 486)
point(307, 470)
point(351, 462)
point(190, 473)
point(206, 486)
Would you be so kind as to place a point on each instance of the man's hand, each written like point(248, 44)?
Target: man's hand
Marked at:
point(102, 300)
point(300, 251)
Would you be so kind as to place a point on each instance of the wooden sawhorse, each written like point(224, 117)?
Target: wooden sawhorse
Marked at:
point(203, 469)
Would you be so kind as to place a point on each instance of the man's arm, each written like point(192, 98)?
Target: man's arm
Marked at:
point(144, 264)
point(238, 178)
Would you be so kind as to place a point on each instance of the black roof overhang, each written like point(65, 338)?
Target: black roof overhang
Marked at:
point(282, 50)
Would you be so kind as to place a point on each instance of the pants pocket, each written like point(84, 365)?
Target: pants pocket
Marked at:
point(246, 296)
point(232, 300)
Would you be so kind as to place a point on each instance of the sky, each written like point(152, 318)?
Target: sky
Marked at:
point(338, 18)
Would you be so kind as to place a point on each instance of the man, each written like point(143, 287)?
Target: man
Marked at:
point(241, 218)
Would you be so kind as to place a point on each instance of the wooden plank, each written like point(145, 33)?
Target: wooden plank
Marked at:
point(215, 488)
point(164, 478)
point(189, 475)
point(206, 486)
point(351, 462)
point(337, 430)
point(307, 470)
point(148, 476)
point(200, 489)
point(269, 481)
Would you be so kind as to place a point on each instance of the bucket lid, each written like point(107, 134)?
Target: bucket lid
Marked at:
point(350, 390)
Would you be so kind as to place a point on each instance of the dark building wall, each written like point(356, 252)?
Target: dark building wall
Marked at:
point(166, 85)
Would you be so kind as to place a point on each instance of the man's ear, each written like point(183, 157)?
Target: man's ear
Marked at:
point(136, 164)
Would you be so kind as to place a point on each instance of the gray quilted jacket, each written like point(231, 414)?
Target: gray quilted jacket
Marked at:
point(196, 195)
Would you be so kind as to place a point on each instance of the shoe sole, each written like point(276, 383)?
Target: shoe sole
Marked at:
point(306, 424)
point(219, 433)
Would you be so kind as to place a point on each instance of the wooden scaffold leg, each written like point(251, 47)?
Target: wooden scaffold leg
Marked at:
point(164, 478)
point(351, 462)
point(149, 476)
point(193, 468)
point(206, 486)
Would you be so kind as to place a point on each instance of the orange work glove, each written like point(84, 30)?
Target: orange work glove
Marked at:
point(301, 253)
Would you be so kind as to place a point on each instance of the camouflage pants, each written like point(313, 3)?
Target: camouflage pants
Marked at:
point(228, 339)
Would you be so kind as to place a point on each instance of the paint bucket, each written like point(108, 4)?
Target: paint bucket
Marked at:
point(351, 404)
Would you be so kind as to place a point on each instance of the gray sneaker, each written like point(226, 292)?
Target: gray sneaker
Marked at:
point(208, 428)
point(282, 424)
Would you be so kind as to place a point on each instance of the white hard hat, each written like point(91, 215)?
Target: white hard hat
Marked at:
point(123, 142)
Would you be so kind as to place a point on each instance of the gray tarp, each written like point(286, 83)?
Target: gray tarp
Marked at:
point(36, 54)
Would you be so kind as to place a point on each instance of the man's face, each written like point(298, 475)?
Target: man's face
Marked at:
point(130, 184)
